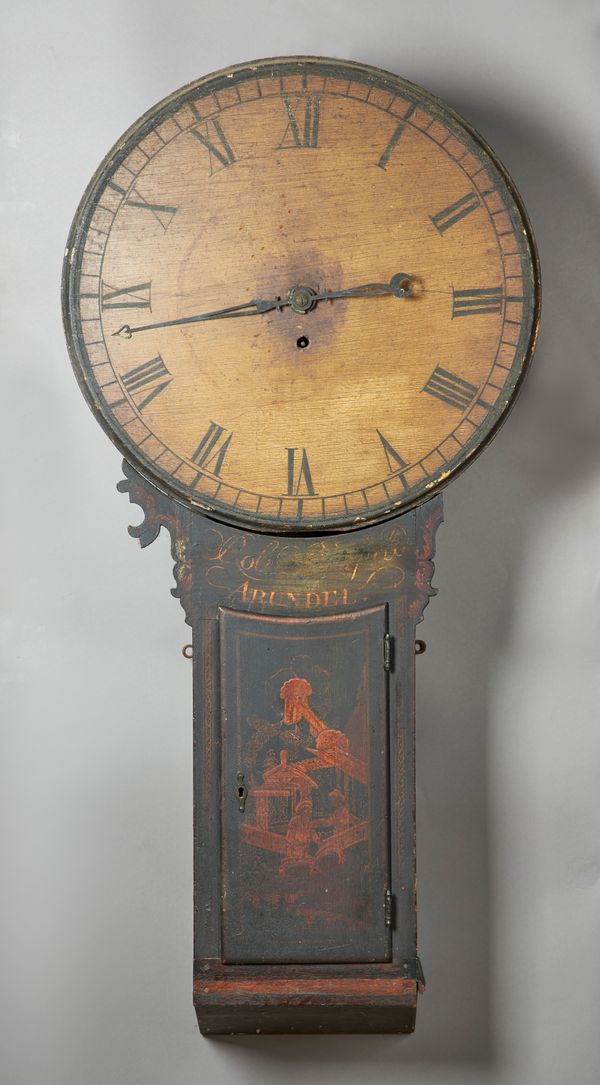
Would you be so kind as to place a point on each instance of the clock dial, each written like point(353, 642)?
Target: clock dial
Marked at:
point(300, 294)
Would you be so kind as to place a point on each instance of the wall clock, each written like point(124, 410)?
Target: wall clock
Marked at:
point(300, 295)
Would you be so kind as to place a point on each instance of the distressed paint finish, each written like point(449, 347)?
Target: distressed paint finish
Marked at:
point(304, 718)
point(279, 450)
point(297, 417)
point(228, 579)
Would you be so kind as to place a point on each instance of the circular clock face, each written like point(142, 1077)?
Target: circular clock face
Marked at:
point(300, 294)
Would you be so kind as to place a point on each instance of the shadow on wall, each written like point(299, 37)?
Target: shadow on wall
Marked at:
point(549, 444)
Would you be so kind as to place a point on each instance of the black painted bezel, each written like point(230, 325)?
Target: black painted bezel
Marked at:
point(276, 67)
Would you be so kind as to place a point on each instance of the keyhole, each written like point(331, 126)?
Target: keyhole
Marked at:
point(303, 342)
point(241, 792)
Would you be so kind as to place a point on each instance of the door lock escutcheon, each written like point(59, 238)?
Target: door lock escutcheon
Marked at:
point(241, 792)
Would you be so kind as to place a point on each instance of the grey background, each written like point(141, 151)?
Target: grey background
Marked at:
point(96, 888)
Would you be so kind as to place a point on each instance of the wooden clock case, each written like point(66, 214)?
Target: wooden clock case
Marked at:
point(304, 767)
point(303, 644)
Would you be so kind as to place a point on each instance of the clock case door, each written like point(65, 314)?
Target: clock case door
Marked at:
point(263, 963)
point(305, 789)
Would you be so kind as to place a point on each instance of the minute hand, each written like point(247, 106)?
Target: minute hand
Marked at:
point(248, 308)
point(300, 298)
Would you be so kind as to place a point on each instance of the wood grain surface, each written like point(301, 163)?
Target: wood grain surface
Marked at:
point(276, 176)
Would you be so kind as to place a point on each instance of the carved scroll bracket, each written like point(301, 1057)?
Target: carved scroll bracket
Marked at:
point(160, 511)
point(428, 518)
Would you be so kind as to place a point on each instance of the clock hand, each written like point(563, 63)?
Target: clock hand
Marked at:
point(400, 286)
point(248, 308)
point(300, 298)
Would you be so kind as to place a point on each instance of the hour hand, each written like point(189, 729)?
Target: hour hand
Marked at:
point(302, 298)
point(400, 286)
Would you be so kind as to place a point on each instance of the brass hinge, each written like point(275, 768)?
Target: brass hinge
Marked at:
point(388, 907)
point(387, 651)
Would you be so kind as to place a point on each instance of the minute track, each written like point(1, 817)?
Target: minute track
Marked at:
point(310, 376)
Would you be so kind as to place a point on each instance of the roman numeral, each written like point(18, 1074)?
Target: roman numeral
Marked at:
point(299, 478)
point(302, 129)
point(214, 139)
point(126, 297)
point(394, 461)
point(162, 212)
point(455, 212)
point(213, 448)
point(394, 138)
point(451, 389)
point(471, 302)
point(149, 374)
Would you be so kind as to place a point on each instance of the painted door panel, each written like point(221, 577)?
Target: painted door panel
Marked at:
point(304, 720)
